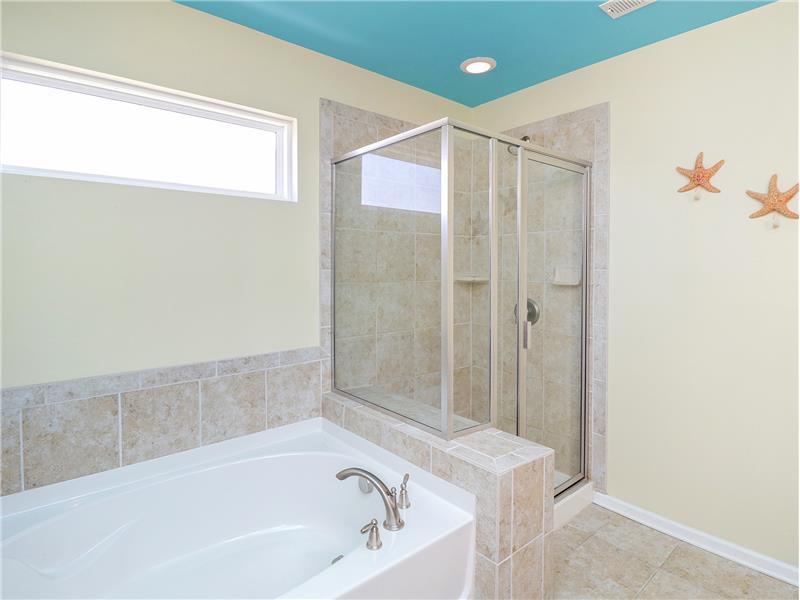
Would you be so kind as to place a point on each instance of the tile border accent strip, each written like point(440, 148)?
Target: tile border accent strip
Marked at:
point(738, 554)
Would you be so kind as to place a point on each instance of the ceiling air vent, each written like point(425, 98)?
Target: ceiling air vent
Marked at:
point(617, 8)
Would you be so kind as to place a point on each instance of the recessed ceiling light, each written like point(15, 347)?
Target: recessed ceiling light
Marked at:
point(478, 65)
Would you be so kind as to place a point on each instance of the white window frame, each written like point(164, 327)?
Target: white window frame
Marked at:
point(30, 70)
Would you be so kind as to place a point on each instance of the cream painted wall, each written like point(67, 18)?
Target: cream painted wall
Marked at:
point(702, 397)
point(104, 278)
point(703, 302)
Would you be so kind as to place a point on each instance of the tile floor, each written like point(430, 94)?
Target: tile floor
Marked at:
point(601, 554)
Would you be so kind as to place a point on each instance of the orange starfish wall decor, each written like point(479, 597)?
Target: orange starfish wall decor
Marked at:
point(774, 200)
point(700, 176)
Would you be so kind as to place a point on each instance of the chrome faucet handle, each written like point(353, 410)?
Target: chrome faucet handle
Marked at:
point(374, 539)
point(403, 501)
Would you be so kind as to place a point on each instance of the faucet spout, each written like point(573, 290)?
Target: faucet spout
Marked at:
point(393, 521)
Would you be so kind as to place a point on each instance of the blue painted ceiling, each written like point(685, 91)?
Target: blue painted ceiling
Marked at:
point(423, 43)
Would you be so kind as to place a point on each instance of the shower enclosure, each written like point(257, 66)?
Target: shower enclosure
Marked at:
point(440, 234)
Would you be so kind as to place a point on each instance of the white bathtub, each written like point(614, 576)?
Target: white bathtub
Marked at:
point(261, 516)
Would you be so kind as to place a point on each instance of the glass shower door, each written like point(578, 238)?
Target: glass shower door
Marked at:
point(552, 324)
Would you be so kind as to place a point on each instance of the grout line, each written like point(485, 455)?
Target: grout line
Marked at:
point(200, 413)
point(266, 400)
point(21, 454)
point(119, 427)
point(649, 579)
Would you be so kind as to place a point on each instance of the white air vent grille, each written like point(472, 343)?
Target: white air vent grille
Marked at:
point(617, 8)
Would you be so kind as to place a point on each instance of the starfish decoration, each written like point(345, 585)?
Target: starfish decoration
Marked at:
point(774, 200)
point(700, 176)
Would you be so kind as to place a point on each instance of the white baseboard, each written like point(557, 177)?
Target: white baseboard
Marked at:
point(743, 556)
point(571, 503)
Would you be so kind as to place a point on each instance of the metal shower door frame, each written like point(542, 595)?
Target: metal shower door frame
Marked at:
point(523, 327)
point(525, 152)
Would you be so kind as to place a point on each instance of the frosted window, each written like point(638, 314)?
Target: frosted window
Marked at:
point(389, 182)
point(80, 134)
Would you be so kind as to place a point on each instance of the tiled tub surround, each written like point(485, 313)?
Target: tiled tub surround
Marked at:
point(510, 477)
point(584, 134)
point(58, 431)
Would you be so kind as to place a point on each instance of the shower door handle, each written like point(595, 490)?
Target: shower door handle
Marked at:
point(533, 314)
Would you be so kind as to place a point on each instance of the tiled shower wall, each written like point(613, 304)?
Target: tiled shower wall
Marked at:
point(58, 431)
point(388, 274)
point(583, 134)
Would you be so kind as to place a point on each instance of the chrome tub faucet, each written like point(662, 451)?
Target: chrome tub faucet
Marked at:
point(393, 521)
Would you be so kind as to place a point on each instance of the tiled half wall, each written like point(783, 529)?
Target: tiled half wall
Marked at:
point(511, 478)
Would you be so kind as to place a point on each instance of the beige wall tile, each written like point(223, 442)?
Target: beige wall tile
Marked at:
point(23, 397)
point(427, 304)
point(480, 213)
point(299, 355)
point(505, 517)
point(293, 394)
point(394, 351)
point(562, 409)
point(91, 386)
point(562, 358)
point(355, 362)
point(462, 216)
point(427, 350)
point(527, 568)
point(326, 374)
point(462, 257)
point(332, 409)
point(480, 394)
point(325, 239)
point(356, 255)
point(428, 388)
point(489, 444)
point(485, 487)
point(70, 439)
point(10, 476)
point(549, 486)
point(485, 586)
point(169, 375)
point(247, 364)
point(232, 406)
point(350, 134)
point(356, 309)
point(325, 298)
point(395, 307)
point(395, 259)
point(462, 346)
point(528, 502)
point(461, 302)
point(428, 257)
point(368, 423)
point(462, 392)
point(412, 449)
point(160, 421)
point(390, 219)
